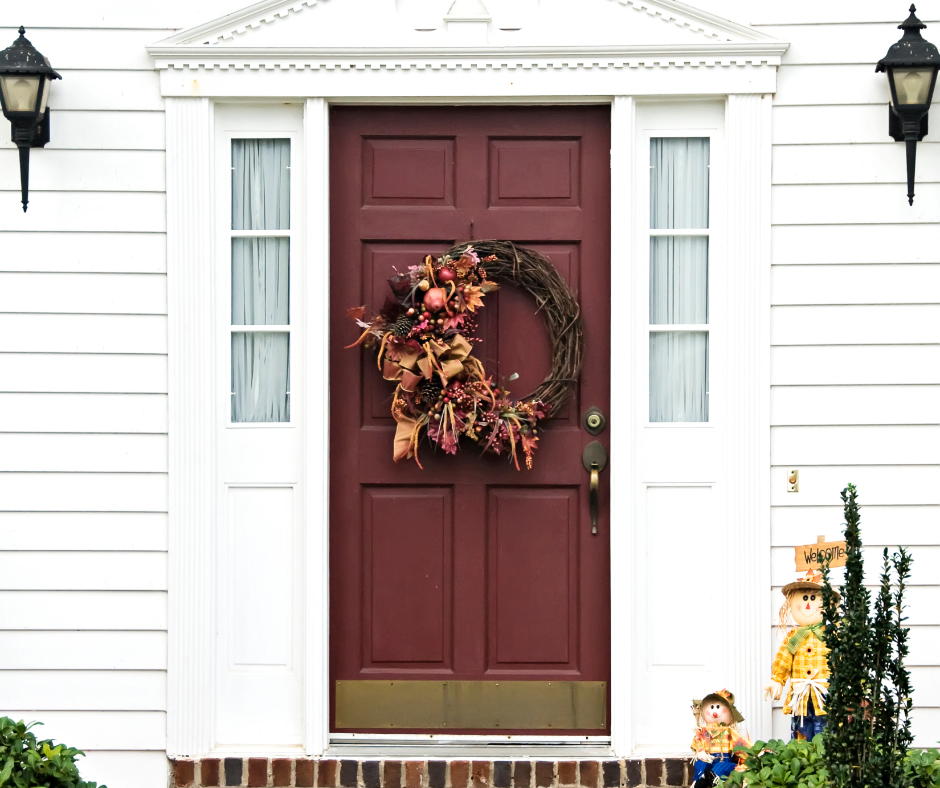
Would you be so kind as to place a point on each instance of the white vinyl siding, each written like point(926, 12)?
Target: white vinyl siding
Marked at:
point(83, 395)
point(855, 293)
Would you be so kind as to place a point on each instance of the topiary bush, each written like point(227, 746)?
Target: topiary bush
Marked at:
point(775, 764)
point(26, 762)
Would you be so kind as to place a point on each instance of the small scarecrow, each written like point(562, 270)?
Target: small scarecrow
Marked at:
point(801, 667)
point(716, 736)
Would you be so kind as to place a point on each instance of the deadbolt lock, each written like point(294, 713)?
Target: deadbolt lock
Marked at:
point(594, 421)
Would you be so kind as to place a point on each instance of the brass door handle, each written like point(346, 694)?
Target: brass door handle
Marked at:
point(594, 460)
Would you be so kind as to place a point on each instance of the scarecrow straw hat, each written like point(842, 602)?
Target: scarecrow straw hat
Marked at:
point(812, 581)
point(720, 696)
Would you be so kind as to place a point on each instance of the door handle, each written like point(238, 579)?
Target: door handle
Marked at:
point(594, 459)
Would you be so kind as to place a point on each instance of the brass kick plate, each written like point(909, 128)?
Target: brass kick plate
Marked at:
point(476, 705)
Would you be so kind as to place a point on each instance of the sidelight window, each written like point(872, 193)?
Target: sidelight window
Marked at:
point(678, 277)
point(260, 236)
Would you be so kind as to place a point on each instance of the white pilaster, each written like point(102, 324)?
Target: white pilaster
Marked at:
point(622, 433)
point(317, 443)
point(747, 443)
point(192, 450)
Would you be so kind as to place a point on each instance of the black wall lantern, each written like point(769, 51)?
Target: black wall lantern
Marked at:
point(25, 77)
point(912, 65)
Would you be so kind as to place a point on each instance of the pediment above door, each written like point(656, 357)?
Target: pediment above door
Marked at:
point(293, 26)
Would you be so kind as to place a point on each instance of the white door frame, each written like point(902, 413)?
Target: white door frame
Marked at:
point(744, 79)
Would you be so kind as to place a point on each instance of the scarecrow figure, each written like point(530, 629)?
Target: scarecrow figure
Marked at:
point(801, 667)
point(716, 736)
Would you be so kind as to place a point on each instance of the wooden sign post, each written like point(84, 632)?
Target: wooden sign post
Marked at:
point(808, 556)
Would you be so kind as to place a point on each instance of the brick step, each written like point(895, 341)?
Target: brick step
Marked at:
point(316, 773)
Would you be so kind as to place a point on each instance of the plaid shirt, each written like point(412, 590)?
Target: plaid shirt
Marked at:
point(809, 660)
point(716, 737)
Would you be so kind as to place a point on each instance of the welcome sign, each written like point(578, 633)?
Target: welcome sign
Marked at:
point(811, 556)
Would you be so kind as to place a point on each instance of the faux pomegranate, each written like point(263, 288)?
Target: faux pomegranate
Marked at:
point(435, 298)
point(446, 275)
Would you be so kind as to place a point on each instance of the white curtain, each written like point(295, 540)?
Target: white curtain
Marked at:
point(260, 281)
point(679, 279)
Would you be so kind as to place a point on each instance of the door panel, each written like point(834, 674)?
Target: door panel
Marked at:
point(469, 572)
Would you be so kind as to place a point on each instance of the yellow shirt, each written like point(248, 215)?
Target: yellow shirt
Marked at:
point(809, 660)
point(717, 737)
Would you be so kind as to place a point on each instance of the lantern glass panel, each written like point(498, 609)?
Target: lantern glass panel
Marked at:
point(912, 84)
point(46, 84)
point(20, 91)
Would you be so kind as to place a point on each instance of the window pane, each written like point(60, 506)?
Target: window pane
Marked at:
point(260, 377)
point(678, 280)
point(679, 376)
point(260, 281)
point(261, 184)
point(679, 183)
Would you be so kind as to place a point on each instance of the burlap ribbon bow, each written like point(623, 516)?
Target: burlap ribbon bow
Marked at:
point(447, 359)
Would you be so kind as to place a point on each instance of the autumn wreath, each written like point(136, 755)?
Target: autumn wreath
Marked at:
point(424, 338)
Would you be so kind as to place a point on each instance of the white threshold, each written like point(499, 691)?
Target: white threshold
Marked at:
point(361, 746)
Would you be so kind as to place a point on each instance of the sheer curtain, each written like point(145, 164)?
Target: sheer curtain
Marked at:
point(260, 281)
point(679, 279)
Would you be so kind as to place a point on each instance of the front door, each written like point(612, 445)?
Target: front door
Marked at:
point(468, 597)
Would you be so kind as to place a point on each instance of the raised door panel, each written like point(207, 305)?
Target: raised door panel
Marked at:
point(407, 566)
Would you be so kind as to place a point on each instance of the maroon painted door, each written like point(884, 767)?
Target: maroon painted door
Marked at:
point(468, 569)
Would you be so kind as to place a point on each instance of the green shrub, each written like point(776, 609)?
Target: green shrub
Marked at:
point(774, 764)
point(922, 769)
point(28, 763)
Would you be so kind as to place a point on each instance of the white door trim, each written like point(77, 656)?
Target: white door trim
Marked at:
point(192, 478)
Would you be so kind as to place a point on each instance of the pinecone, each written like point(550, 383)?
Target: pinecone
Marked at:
point(430, 390)
point(402, 327)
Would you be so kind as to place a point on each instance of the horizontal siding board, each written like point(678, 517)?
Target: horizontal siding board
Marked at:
point(925, 570)
point(61, 293)
point(854, 284)
point(853, 163)
point(853, 244)
point(83, 373)
point(830, 44)
point(71, 650)
point(84, 252)
point(121, 14)
point(130, 531)
point(858, 445)
point(798, 12)
point(923, 605)
point(52, 211)
point(799, 405)
point(100, 129)
point(82, 571)
point(867, 203)
point(855, 364)
point(115, 413)
point(83, 492)
point(83, 452)
point(137, 769)
point(879, 485)
point(92, 171)
point(116, 90)
point(925, 645)
point(83, 333)
point(825, 124)
point(103, 730)
point(855, 325)
point(857, 84)
point(925, 724)
point(881, 525)
point(124, 50)
point(83, 690)
point(87, 610)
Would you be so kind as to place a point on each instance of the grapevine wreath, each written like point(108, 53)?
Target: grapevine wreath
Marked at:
point(424, 338)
